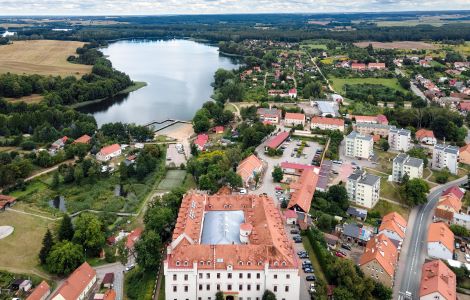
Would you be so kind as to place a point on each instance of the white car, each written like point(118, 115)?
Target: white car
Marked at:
point(242, 191)
point(467, 257)
point(312, 288)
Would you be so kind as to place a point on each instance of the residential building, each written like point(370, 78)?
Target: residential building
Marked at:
point(425, 136)
point(6, 201)
point(438, 282)
point(60, 143)
point(454, 190)
point(394, 227)
point(324, 123)
point(276, 141)
point(445, 156)
point(84, 139)
point(372, 129)
point(461, 219)
point(405, 164)
point(294, 168)
point(109, 152)
point(252, 254)
point(376, 66)
point(363, 189)
point(248, 169)
point(294, 119)
point(399, 139)
point(41, 292)
point(378, 119)
point(379, 260)
point(359, 145)
point(440, 241)
point(272, 115)
point(201, 141)
point(358, 213)
point(302, 191)
point(464, 154)
point(132, 238)
point(293, 93)
point(358, 66)
point(449, 202)
point(77, 285)
point(356, 233)
point(291, 217)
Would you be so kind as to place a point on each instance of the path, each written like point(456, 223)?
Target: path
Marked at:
point(265, 79)
point(321, 73)
point(393, 202)
point(31, 214)
point(51, 169)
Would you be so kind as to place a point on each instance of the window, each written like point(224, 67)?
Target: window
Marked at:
point(218, 287)
point(287, 276)
point(174, 288)
point(199, 298)
point(275, 288)
point(275, 276)
point(240, 275)
point(248, 275)
point(174, 277)
point(200, 287)
point(229, 275)
point(240, 287)
point(208, 275)
point(258, 275)
point(218, 275)
point(229, 287)
point(248, 287)
point(186, 263)
point(186, 288)
point(258, 287)
point(200, 275)
point(177, 263)
point(185, 277)
point(286, 288)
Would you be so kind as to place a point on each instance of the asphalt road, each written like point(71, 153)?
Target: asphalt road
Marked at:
point(414, 250)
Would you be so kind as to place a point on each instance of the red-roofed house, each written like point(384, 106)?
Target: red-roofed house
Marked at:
point(464, 106)
point(294, 119)
point(109, 152)
point(376, 66)
point(437, 282)
point(276, 141)
point(291, 216)
point(358, 66)
point(327, 123)
point(293, 93)
point(302, 191)
point(84, 139)
point(393, 226)
point(77, 285)
point(294, 168)
point(201, 141)
point(219, 129)
point(133, 237)
point(249, 168)
point(6, 201)
point(440, 241)
point(464, 154)
point(109, 295)
point(381, 119)
point(426, 136)
point(456, 191)
point(40, 292)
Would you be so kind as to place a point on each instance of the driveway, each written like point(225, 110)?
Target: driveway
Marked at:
point(118, 270)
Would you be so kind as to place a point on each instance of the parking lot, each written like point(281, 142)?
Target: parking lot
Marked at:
point(462, 252)
point(175, 158)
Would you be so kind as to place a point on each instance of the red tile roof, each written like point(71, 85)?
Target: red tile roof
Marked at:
point(294, 116)
point(464, 105)
point(84, 139)
point(248, 166)
point(40, 292)
point(133, 237)
point(295, 166)
point(110, 295)
point(219, 129)
point(110, 149)
point(76, 283)
point(377, 65)
point(424, 133)
point(455, 190)
point(396, 217)
point(450, 202)
point(440, 232)
point(382, 250)
point(438, 277)
point(290, 214)
point(358, 66)
point(304, 189)
point(201, 140)
point(276, 141)
point(328, 121)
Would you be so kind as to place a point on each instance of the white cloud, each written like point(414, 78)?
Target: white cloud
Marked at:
point(155, 7)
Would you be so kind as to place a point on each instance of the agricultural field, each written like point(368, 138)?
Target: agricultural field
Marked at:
point(339, 83)
point(43, 57)
point(406, 45)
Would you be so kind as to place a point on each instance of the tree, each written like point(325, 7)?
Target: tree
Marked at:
point(277, 174)
point(419, 153)
point(66, 231)
point(414, 191)
point(268, 295)
point(159, 219)
point(65, 257)
point(382, 292)
point(201, 121)
point(55, 179)
point(384, 145)
point(148, 250)
point(442, 176)
point(219, 296)
point(47, 244)
point(459, 230)
point(88, 233)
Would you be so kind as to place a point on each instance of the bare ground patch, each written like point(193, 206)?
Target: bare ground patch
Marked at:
point(405, 45)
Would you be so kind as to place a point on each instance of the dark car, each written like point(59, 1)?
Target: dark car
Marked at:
point(455, 256)
point(294, 231)
point(304, 256)
point(462, 249)
point(311, 278)
point(308, 270)
point(346, 246)
point(301, 252)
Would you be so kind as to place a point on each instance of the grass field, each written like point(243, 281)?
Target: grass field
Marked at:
point(20, 250)
point(405, 45)
point(339, 83)
point(44, 57)
point(173, 179)
point(383, 207)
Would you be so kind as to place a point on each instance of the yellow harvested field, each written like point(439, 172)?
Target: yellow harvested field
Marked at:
point(44, 57)
point(406, 45)
point(35, 98)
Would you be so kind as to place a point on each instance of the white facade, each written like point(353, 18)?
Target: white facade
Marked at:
point(433, 296)
point(462, 220)
point(105, 157)
point(404, 164)
point(363, 189)
point(438, 250)
point(203, 284)
point(294, 121)
point(358, 145)
point(399, 139)
point(428, 140)
point(445, 156)
point(326, 126)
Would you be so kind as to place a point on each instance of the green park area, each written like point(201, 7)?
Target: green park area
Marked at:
point(339, 83)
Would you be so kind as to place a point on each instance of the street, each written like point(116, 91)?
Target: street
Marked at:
point(414, 250)
point(118, 269)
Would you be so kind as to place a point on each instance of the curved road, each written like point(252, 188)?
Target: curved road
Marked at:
point(414, 249)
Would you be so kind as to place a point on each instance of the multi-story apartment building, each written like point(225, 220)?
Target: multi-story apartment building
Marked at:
point(399, 139)
point(235, 244)
point(363, 189)
point(324, 123)
point(404, 164)
point(445, 156)
point(272, 115)
point(372, 129)
point(294, 119)
point(358, 145)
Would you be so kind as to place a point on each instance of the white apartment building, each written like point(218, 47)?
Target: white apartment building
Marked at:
point(399, 139)
point(363, 189)
point(324, 123)
point(230, 243)
point(404, 164)
point(445, 156)
point(358, 145)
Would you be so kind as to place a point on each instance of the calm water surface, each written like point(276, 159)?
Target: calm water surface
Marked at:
point(179, 74)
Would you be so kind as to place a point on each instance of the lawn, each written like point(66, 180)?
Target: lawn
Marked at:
point(20, 250)
point(173, 179)
point(339, 83)
point(313, 45)
point(43, 57)
point(383, 207)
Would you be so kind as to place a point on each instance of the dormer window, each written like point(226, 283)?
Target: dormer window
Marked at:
point(186, 263)
point(284, 264)
point(177, 263)
point(249, 263)
point(276, 264)
point(201, 262)
point(208, 262)
point(240, 263)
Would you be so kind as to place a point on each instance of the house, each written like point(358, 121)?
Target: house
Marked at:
point(294, 119)
point(6, 201)
point(324, 123)
point(394, 227)
point(272, 115)
point(464, 106)
point(454, 190)
point(359, 145)
point(356, 233)
point(372, 129)
point(59, 144)
point(440, 241)
point(109, 152)
point(358, 66)
point(464, 154)
point(379, 260)
point(293, 93)
point(449, 202)
point(23, 285)
point(108, 280)
point(331, 240)
point(41, 292)
point(405, 164)
point(84, 139)
point(358, 213)
point(133, 237)
point(276, 141)
point(425, 136)
point(378, 119)
point(445, 156)
point(201, 141)
point(294, 168)
point(376, 66)
point(461, 219)
point(363, 189)
point(77, 285)
point(399, 139)
point(291, 217)
point(302, 191)
point(249, 168)
point(437, 282)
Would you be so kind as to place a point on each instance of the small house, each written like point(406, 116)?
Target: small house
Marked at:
point(109, 152)
point(108, 280)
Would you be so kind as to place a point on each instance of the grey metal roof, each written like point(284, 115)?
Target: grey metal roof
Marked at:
point(369, 179)
point(447, 148)
point(400, 131)
point(267, 111)
point(351, 230)
point(222, 227)
point(356, 175)
point(400, 158)
point(357, 135)
point(357, 212)
point(326, 107)
point(414, 162)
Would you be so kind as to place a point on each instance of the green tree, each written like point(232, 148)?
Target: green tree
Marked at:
point(148, 250)
point(419, 153)
point(459, 230)
point(442, 176)
point(65, 257)
point(159, 219)
point(66, 231)
point(47, 245)
point(384, 145)
point(414, 191)
point(55, 179)
point(268, 295)
point(277, 174)
point(313, 90)
point(88, 234)
point(233, 179)
point(219, 296)
point(201, 121)
point(382, 292)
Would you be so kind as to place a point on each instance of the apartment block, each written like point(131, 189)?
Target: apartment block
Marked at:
point(445, 156)
point(404, 164)
point(359, 145)
point(399, 139)
point(363, 189)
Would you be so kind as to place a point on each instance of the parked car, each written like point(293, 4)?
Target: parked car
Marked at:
point(242, 191)
point(462, 249)
point(294, 231)
point(312, 288)
point(467, 257)
point(311, 278)
point(304, 256)
point(306, 262)
point(455, 256)
point(346, 246)
point(340, 254)
point(308, 270)
point(130, 267)
point(278, 188)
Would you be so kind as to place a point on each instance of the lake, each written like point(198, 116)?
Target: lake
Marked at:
point(178, 74)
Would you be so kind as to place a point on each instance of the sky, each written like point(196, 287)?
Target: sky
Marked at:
point(156, 7)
